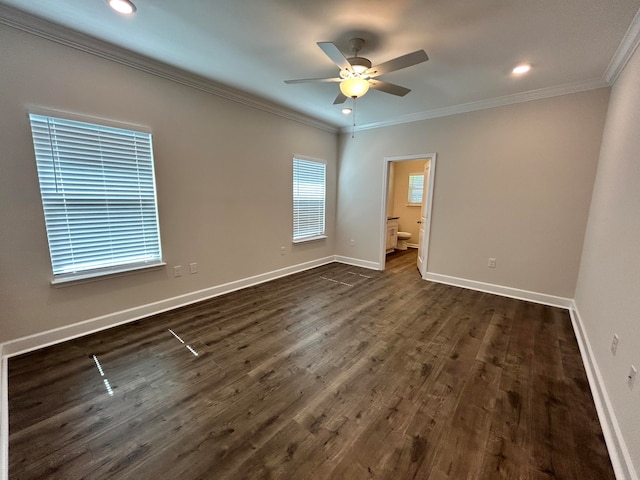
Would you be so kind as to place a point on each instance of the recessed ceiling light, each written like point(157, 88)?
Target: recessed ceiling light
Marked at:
point(346, 111)
point(125, 7)
point(522, 68)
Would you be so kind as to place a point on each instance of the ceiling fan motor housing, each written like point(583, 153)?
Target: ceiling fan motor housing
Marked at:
point(359, 64)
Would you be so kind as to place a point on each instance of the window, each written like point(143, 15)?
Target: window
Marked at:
point(416, 187)
point(309, 185)
point(98, 194)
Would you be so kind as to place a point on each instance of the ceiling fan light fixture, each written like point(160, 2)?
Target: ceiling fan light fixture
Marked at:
point(125, 7)
point(357, 75)
point(346, 110)
point(354, 87)
point(521, 69)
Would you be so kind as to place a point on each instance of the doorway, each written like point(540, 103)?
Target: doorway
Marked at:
point(413, 217)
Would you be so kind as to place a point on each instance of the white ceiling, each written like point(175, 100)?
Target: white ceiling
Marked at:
point(254, 45)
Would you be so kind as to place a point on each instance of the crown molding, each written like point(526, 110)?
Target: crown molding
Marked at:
point(37, 26)
point(627, 46)
point(538, 94)
point(34, 25)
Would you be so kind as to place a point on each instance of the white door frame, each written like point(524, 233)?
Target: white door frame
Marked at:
point(429, 208)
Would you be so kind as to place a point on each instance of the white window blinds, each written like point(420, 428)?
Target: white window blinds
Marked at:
point(98, 193)
point(309, 186)
point(416, 187)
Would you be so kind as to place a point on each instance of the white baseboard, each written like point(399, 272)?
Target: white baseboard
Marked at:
point(413, 245)
point(58, 335)
point(62, 334)
point(529, 296)
point(86, 327)
point(618, 451)
point(356, 262)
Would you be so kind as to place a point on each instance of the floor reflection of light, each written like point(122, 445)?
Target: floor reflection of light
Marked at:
point(359, 274)
point(182, 341)
point(192, 350)
point(336, 281)
point(95, 359)
point(106, 381)
point(106, 384)
point(175, 335)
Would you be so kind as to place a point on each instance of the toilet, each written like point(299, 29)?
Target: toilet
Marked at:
point(403, 237)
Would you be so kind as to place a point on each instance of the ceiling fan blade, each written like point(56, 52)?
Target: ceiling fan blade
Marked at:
point(398, 63)
point(340, 99)
point(389, 88)
point(335, 55)
point(307, 80)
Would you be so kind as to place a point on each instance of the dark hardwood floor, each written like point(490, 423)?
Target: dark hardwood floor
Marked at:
point(335, 373)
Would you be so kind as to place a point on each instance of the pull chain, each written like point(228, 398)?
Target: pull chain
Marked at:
point(353, 127)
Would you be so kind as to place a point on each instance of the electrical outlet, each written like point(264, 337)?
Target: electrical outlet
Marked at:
point(177, 271)
point(491, 263)
point(352, 242)
point(631, 378)
point(193, 268)
point(614, 344)
point(283, 251)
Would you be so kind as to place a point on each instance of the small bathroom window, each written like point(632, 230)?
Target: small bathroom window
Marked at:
point(416, 187)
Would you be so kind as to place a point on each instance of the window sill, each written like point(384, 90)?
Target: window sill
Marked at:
point(309, 239)
point(76, 279)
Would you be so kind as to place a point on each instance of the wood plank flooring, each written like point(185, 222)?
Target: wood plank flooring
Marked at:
point(334, 373)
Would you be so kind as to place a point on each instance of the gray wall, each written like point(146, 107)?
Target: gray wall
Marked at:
point(608, 290)
point(223, 174)
point(513, 183)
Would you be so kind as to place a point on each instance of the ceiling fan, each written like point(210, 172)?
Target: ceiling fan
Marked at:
point(357, 75)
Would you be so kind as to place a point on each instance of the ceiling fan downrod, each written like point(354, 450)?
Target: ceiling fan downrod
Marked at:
point(359, 64)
